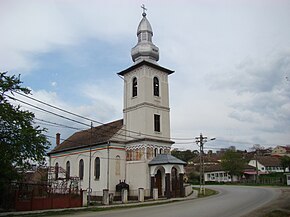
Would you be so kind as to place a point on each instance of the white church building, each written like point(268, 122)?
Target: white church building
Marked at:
point(135, 149)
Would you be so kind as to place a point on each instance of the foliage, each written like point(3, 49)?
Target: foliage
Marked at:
point(194, 178)
point(233, 163)
point(20, 141)
point(184, 155)
point(285, 162)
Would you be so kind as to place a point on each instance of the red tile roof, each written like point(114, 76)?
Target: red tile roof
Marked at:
point(269, 161)
point(100, 134)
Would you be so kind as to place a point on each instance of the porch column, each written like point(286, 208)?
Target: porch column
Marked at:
point(167, 185)
point(181, 187)
point(152, 185)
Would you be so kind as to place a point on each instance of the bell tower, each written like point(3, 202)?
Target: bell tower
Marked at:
point(146, 95)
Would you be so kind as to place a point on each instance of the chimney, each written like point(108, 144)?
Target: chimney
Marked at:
point(57, 139)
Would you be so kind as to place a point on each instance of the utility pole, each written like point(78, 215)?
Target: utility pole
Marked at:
point(90, 166)
point(200, 140)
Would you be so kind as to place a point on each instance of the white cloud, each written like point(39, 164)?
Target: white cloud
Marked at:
point(231, 59)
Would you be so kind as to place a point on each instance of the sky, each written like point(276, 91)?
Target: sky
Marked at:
point(231, 61)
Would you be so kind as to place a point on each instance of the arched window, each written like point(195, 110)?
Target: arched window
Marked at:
point(118, 165)
point(156, 86)
point(97, 168)
point(81, 169)
point(155, 152)
point(160, 151)
point(56, 169)
point(67, 174)
point(134, 87)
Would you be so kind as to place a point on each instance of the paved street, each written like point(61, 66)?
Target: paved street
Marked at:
point(231, 202)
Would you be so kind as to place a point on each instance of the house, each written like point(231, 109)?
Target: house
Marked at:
point(134, 150)
point(281, 151)
point(267, 164)
point(216, 173)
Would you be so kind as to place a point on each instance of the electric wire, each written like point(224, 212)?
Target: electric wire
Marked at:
point(94, 121)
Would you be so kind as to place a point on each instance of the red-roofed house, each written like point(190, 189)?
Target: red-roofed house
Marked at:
point(281, 151)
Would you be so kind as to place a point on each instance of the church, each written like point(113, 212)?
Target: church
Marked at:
point(134, 150)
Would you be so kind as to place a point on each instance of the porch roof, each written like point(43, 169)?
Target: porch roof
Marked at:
point(165, 159)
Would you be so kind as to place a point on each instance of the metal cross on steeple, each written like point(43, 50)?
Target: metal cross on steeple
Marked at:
point(144, 10)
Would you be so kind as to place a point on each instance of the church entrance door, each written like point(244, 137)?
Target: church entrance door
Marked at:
point(158, 178)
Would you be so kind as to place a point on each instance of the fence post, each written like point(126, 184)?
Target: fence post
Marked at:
point(155, 193)
point(141, 194)
point(105, 197)
point(124, 195)
point(31, 199)
point(84, 197)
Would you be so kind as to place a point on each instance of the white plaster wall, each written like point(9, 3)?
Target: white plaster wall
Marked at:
point(115, 178)
point(97, 185)
point(137, 175)
point(139, 111)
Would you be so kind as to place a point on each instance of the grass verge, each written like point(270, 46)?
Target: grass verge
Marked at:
point(278, 213)
point(208, 192)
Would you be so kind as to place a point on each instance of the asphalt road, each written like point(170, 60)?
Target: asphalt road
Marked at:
point(232, 201)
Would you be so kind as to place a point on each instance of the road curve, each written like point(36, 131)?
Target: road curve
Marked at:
point(232, 201)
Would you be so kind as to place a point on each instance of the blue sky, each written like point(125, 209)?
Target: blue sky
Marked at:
point(231, 62)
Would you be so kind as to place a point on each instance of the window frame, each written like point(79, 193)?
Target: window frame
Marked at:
point(156, 86)
point(134, 87)
point(157, 123)
point(97, 171)
point(56, 170)
point(81, 169)
point(67, 172)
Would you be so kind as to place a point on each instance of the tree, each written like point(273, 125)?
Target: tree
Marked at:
point(184, 155)
point(285, 162)
point(21, 142)
point(233, 163)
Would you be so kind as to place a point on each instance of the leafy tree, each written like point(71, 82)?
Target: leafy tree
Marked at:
point(184, 155)
point(233, 163)
point(21, 142)
point(285, 162)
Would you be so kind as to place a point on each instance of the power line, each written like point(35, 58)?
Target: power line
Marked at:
point(95, 121)
point(56, 124)
point(42, 109)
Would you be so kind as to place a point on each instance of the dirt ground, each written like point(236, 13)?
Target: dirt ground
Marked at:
point(277, 208)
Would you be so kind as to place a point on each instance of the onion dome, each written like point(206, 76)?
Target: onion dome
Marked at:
point(145, 49)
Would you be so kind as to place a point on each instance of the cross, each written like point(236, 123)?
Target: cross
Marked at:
point(144, 9)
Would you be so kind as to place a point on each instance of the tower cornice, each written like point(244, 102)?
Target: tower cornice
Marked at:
point(147, 63)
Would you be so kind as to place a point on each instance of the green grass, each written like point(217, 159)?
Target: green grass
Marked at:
point(208, 192)
point(278, 213)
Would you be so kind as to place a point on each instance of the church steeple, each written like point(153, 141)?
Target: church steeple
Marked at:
point(145, 49)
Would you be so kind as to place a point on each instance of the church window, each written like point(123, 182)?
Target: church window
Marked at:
point(156, 86)
point(160, 151)
point(97, 168)
point(81, 169)
point(156, 123)
point(155, 152)
point(67, 174)
point(56, 169)
point(118, 165)
point(134, 87)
